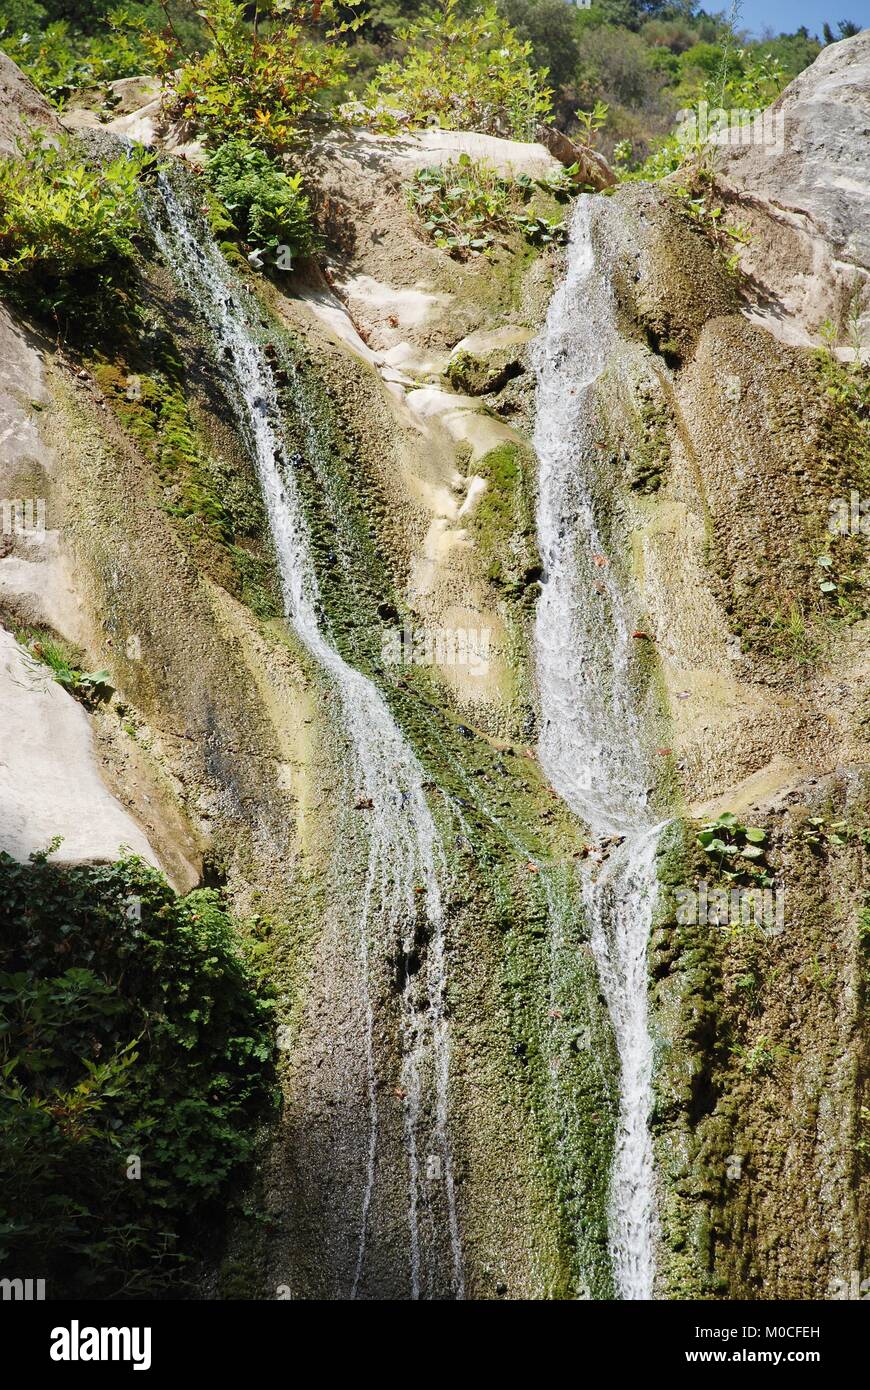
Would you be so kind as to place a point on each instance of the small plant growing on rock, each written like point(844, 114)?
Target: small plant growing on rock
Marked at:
point(465, 205)
point(737, 850)
point(762, 1058)
point(700, 202)
point(847, 383)
point(90, 687)
point(820, 833)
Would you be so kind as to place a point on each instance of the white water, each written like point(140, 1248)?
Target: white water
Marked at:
point(590, 746)
point(404, 849)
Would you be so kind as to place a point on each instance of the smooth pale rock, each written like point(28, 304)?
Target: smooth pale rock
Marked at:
point(479, 344)
point(35, 581)
point(326, 306)
point(389, 311)
point(49, 781)
point(463, 419)
point(807, 195)
point(404, 153)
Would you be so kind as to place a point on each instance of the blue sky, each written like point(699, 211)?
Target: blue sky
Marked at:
point(784, 16)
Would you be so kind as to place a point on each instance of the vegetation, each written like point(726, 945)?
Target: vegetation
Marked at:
point(738, 851)
point(261, 80)
point(461, 72)
point(741, 81)
point(66, 229)
point(266, 205)
point(761, 1058)
point(846, 383)
point(91, 687)
point(60, 62)
point(700, 202)
point(466, 206)
point(267, 73)
point(134, 1063)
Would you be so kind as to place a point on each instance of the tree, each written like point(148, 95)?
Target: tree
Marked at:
point(847, 29)
point(550, 26)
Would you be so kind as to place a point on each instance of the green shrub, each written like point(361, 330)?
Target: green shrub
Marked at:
point(267, 206)
point(462, 74)
point(735, 80)
point(260, 81)
point(66, 229)
point(128, 1027)
point(59, 60)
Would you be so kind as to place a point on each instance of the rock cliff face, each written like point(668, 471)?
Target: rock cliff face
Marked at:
point(729, 451)
point(405, 400)
point(804, 194)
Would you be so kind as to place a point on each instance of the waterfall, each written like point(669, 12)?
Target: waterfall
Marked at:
point(590, 743)
point(404, 849)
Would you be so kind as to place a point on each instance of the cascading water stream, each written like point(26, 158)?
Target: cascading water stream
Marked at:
point(590, 745)
point(404, 849)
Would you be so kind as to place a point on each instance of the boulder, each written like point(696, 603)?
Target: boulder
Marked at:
point(21, 106)
point(802, 181)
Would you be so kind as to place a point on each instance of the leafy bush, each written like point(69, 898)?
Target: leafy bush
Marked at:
point(59, 61)
point(128, 1027)
point(465, 204)
point(750, 81)
point(66, 230)
point(462, 74)
point(259, 81)
point(733, 80)
point(267, 206)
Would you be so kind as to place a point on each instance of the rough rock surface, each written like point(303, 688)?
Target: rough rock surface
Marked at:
point(228, 746)
point(21, 105)
point(726, 451)
point(803, 185)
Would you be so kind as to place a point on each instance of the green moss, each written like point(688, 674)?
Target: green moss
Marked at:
point(217, 508)
point(504, 521)
point(481, 375)
point(742, 1018)
point(155, 411)
point(794, 609)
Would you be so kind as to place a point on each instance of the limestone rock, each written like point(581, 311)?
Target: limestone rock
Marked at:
point(49, 781)
point(803, 185)
point(21, 105)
